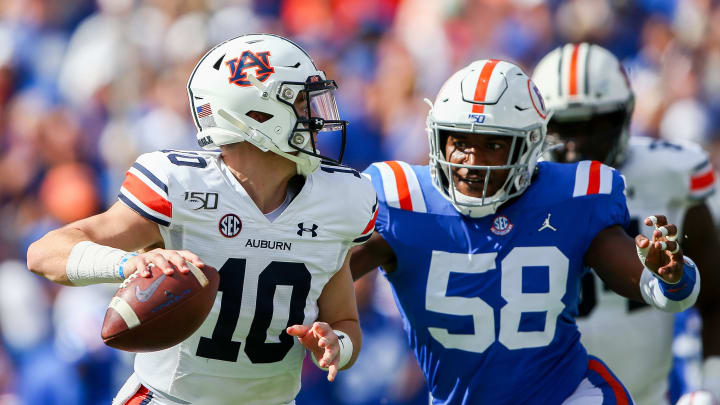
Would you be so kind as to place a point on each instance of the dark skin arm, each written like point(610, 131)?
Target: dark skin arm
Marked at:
point(370, 255)
point(621, 270)
point(613, 256)
point(701, 243)
point(613, 268)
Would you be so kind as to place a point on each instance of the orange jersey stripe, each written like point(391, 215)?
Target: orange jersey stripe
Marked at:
point(702, 181)
point(147, 195)
point(402, 185)
point(482, 85)
point(371, 224)
point(617, 389)
point(573, 87)
point(142, 395)
point(594, 181)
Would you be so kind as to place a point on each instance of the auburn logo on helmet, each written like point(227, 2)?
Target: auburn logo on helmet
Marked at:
point(249, 60)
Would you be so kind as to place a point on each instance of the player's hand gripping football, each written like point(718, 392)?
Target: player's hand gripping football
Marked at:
point(662, 255)
point(322, 343)
point(166, 260)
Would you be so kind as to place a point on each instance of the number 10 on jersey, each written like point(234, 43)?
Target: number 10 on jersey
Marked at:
point(293, 278)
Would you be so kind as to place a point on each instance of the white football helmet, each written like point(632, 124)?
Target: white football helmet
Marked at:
point(589, 93)
point(487, 97)
point(246, 88)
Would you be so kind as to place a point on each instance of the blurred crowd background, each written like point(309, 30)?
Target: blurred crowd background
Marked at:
point(88, 85)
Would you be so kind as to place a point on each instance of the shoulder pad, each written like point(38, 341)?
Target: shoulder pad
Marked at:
point(359, 210)
point(145, 189)
point(592, 177)
point(398, 185)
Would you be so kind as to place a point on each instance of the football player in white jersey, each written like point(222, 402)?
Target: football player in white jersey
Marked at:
point(269, 211)
point(592, 100)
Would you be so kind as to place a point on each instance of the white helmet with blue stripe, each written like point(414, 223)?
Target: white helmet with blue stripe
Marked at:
point(266, 90)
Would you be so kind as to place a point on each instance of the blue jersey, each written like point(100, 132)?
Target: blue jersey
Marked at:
point(489, 303)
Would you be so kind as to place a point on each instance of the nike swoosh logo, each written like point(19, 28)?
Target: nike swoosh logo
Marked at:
point(144, 295)
point(520, 108)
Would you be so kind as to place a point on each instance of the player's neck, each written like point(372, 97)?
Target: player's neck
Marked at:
point(263, 175)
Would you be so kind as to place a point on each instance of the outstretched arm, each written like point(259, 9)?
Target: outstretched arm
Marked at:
point(613, 256)
point(120, 228)
point(335, 339)
point(370, 255)
point(665, 279)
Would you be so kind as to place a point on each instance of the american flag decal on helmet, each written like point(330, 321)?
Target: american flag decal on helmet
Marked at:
point(204, 110)
point(204, 114)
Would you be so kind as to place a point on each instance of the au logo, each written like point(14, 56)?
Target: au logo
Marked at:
point(248, 60)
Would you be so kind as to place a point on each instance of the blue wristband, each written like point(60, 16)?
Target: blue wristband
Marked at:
point(683, 288)
point(124, 259)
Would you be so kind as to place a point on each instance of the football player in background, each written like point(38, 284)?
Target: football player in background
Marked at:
point(264, 211)
point(590, 94)
point(485, 248)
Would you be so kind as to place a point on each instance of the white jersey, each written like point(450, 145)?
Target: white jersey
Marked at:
point(634, 339)
point(271, 273)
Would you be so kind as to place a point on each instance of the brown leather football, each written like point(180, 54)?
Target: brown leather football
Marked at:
point(157, 312)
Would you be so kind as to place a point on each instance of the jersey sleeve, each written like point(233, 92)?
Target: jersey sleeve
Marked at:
point(145, 188)
point(702, 181)
point(600, 191)
point(381, 216)
point(354, 215)
point(368, 212)
point(398, 188)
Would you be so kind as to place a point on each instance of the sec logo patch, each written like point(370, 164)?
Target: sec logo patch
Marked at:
point(230, 225)
point(501, 225)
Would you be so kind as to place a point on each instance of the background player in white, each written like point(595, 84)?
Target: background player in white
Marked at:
point(485, 248)
point(589, 92)
point(276, 222)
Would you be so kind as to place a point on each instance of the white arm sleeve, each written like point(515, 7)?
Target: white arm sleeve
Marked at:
point(671, 300)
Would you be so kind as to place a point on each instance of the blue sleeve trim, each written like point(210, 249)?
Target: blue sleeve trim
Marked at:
point(683, 288)
point(140, 211)
point(150, 176)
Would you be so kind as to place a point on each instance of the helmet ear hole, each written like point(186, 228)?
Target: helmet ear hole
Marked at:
point(259, 116)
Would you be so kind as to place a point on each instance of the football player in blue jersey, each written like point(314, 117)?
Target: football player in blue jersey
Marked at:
point(485, 248)
point(592, 102)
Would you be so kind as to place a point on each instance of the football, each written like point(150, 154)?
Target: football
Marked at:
point(153, 313)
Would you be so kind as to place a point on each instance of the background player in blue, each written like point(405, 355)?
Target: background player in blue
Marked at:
point(485, 248)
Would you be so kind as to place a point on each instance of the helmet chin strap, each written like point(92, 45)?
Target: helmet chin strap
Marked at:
point(305, 165)
point(471, 205)
point(264, 92)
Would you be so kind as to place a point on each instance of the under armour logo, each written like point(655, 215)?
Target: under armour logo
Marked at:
point(546, 224)
point(303, 229)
